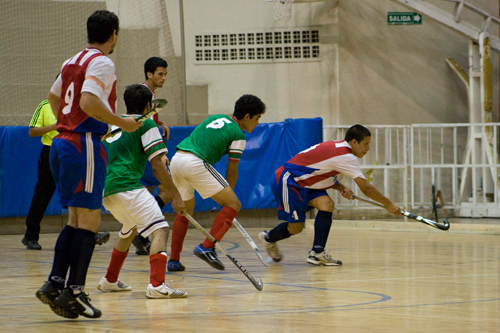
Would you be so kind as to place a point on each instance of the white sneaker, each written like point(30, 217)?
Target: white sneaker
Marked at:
point(106, 286)
point(164, 291)
point(271, 248)
point(324, 258)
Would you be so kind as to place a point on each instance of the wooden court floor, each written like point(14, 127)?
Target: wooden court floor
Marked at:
point(391, 281)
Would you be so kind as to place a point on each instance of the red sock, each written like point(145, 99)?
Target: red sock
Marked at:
point(115, 265)
point(222, 222)
point(179, 231)
point(158, 263)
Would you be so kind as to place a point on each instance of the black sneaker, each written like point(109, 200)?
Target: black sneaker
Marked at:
point(79, 304)
point(209, 256)
point(47, 294)
point(101, 237)
point(142, 245)
point(31, 245)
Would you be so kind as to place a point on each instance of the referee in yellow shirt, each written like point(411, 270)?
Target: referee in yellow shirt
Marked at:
point(43, 123)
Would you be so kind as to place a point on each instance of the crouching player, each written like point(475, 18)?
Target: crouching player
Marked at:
point(131, 204)
point(301, 184)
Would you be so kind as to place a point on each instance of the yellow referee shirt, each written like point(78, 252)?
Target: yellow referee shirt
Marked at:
point(44, 116)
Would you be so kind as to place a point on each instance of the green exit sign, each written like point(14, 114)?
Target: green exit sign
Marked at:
point(404, 18)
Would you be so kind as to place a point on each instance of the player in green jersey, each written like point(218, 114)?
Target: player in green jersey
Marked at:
point(192, 169)
point(132, 204)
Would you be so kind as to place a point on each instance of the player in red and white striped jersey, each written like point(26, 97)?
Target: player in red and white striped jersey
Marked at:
point(85, 97)
point(155, 72)
point(301, 185)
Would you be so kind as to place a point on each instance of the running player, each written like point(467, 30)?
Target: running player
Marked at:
point(155, 71)
point(192, 169)
point(301, 184)
point(85, 97)
point(131, 204)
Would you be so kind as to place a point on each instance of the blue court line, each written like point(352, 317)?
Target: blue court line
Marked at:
point(271, 312)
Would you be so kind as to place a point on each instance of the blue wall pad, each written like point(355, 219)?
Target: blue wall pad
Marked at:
point(268, 147)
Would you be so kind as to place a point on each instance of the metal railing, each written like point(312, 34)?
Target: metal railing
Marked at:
point(405, 161)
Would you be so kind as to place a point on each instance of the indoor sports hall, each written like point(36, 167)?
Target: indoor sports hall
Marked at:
point(422, 75)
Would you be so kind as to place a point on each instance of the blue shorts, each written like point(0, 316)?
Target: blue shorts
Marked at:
point(78, 162)
point(293, 200)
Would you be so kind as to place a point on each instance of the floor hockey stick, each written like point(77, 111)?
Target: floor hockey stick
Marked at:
point(444, 226)
point(257, 284)
point(158, 105)
point(266, 261)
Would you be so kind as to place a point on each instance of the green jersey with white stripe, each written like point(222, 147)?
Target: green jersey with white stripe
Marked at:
point(127, 156)
point(217, 136)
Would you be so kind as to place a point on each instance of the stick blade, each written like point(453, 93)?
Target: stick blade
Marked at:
point(258, 285)
point(446, 225)
point(159, 103)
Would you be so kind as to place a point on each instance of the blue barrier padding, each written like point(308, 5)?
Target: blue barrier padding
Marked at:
point(19, 172)
point(268, 147)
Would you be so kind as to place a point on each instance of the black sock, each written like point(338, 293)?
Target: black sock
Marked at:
point(160, 202)
point(61, 262)
point(81, 252)
point(279, 233)
point(322, 225)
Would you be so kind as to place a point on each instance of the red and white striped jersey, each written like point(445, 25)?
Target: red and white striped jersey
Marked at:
point(156, 118)
point(88, 71)
point(322, 166)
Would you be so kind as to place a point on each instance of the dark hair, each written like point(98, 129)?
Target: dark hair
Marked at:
point(248, 104)
point(152, 64)
point(137, 97)
point(101, 25)
point(357, 132)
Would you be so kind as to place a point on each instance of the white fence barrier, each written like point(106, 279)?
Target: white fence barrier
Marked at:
point(406, 161)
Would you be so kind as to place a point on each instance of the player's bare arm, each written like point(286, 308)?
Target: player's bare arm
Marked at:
point(94, 107)
point(39, 131)
point(161, 173)
point(54, 103)
point(164, 128)
point(232, 173)
point(371, 192)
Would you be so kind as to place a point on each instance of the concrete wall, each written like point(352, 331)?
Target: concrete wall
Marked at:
point(370, 72)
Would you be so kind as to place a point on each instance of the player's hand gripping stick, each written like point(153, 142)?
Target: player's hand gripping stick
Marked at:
point(158, 105)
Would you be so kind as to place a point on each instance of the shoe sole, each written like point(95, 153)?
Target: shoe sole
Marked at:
point(165, 296)
point(56, 308)
point(320, 263)
point(111, 290)
point(219, 266)
point(157, 295)
point(176, 270)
